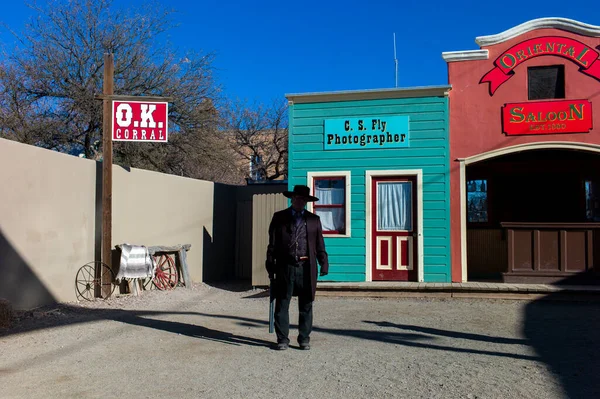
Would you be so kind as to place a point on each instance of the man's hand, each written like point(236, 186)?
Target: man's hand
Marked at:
point(323, 274)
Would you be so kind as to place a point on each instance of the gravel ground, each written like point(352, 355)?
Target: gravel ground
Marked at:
point(214, 343)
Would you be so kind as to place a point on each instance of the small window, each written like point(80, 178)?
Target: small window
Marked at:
point(546, 82)
point(331, 206)
point(477, 201)
point(592, 201)
point(257, 168)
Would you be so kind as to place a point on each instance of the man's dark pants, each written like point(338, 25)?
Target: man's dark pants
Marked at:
point(297, 283)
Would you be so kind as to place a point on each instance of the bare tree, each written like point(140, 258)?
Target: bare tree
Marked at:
point(48, 83)
point(259, 136)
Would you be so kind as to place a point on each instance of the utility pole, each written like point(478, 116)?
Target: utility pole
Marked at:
point(108, 98)
point(107, 161)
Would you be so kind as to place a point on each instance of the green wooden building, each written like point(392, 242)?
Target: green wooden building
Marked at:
point(379, 162)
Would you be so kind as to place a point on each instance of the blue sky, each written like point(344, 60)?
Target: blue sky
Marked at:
point(265, 49)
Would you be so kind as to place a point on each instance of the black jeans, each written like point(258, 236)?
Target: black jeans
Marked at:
point(297, 282)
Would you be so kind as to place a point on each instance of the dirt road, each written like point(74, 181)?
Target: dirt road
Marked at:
point(214, 343)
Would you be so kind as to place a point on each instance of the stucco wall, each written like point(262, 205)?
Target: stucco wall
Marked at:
point(475, 115)
point(48, 222)
point(47, 217)
point(152, 208)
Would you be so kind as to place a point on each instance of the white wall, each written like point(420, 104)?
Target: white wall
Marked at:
point(48, 219)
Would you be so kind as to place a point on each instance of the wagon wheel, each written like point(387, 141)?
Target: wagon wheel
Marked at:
point(94, 278)
point(147, 283)
point(165, 277)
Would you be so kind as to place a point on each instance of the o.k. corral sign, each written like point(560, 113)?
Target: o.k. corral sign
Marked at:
point(140, 121)
point(368, 132)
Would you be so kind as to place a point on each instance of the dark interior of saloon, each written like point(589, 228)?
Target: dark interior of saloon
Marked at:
point(534, 217)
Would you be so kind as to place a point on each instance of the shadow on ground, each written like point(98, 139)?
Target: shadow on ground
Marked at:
point(564, 334)
point(65, 315)
point(566, 337)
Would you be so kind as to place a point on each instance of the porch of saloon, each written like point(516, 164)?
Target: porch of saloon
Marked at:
point(534, 217)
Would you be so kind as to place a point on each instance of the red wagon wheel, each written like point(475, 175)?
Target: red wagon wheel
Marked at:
point(166, 276)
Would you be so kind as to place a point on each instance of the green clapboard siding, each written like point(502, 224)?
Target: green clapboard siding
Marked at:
point(428, 150)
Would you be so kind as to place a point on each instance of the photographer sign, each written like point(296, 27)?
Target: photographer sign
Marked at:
point(367, 132)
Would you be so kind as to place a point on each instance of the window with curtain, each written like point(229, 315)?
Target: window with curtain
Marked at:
point(394, 206)
point(331, 208)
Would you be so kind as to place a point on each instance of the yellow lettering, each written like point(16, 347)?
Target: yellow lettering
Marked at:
point(510, 58)
point(580, 56)
point(575, 112)
point(570, 52)
point(517, 115)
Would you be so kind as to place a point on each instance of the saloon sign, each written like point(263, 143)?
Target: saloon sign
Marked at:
point(573, 50)
point(140, 121)
point(547, 117)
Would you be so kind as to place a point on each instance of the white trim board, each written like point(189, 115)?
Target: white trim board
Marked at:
point(467, 55)
point(346, 174)
point(463, 221)
point(569, 25)
point(369, 174)
point(370, 94)
point(464, 162)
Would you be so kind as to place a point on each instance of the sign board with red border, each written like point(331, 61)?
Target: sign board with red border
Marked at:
point(143, 121)
point(547, 117)
point(579, 53)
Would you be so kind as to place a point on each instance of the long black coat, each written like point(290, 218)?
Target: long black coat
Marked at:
point(280, 231)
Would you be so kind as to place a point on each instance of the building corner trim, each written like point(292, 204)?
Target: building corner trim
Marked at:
point(569, 25)
point(467, 55)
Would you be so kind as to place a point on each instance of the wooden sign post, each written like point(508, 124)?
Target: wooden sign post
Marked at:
point(107, 161)
point(142, 118)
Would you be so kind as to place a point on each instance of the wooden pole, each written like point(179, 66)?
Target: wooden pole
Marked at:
point(107, 161)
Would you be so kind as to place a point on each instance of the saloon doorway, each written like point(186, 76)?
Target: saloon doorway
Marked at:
point(533, 216)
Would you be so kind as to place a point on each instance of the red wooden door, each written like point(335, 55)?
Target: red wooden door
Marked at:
point(393, 228)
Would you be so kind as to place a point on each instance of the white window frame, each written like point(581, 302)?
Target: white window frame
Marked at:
point(310, 176)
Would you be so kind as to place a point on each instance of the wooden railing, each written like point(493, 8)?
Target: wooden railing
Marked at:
point(548, 252)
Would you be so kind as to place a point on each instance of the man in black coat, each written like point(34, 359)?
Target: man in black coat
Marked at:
point(295, 245)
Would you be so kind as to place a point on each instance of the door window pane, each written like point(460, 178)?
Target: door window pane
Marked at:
point(394, 206)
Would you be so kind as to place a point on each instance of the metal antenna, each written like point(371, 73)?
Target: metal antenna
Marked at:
point(395, 59)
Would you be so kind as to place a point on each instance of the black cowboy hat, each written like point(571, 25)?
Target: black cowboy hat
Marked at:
point(301, 191)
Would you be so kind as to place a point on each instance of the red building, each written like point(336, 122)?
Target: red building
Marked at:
point(524, 154)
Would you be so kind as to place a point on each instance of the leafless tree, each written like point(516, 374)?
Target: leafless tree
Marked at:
point(259, 136)
point(49, 80)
